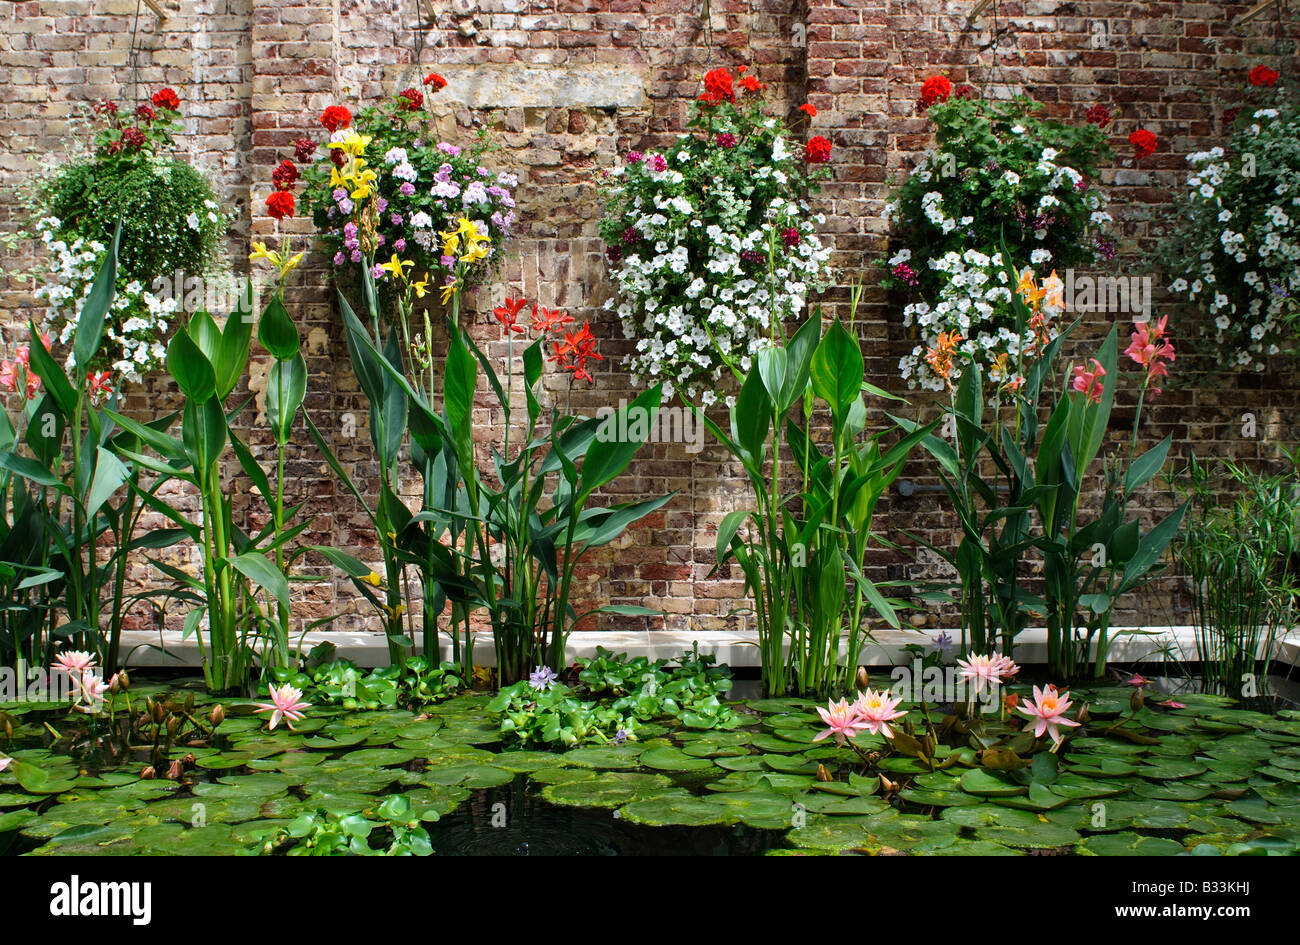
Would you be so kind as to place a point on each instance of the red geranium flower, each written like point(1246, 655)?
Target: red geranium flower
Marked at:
point(145, 113)
point(1230, 115)
point(808, 109)
point(1144, 142)
point(166, 98)
point(303, 149)
point(1263, 76)
point(280, 204)
point(105, 107)
point(718, 87)
point(751, 84)
point(132, 138)
point(437, 81)
point(335, 117)
point(966, 91)
point(1098, 115)
point(285, 175)
point(937, 88)
point(817, 150)
point(412, 99)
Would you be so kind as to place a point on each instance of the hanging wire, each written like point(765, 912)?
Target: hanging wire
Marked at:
point(135, 57)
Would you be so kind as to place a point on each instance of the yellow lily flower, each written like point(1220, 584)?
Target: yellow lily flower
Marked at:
point(397, 267)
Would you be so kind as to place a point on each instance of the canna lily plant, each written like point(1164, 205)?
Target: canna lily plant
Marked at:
point(803, 552)
point(72, 504)
point(1006, 474)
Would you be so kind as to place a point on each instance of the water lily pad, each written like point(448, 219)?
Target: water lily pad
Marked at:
point(676, 809)
point(1129, 844)
point(987, 784)
point(672, 759)
point(607, 757)
point(1040, 836)
point(611, 789)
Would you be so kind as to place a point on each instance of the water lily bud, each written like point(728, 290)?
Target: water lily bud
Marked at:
point(124, 680)
point(864, 678)
point(173, 723)
point(115, 684)
point(887, 787)
point(174, 770)
point(823, 774)
point(148, 774)
point(157, 713)
point(189, 760)
point(218, 715)
point(1082, 715)
point(1137, 699)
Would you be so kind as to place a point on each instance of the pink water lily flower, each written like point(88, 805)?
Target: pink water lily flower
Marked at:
point(4, 763)
point(876, 710)
point(1171, 704)
point(841, 720)
point(286, 703)
point(986, 670)
point(91, 688)
point(74, 662)
point(1137, 679)
point(1047, 712)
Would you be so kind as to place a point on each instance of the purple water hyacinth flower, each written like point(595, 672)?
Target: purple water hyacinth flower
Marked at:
point(941, 644)
point(620, 736)
point(542, 677)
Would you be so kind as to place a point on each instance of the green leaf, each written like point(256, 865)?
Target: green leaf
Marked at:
point(276, 330)
point(110, 475)
point(94, 312)
point(191, 369)
point(232, 349)
point(1147, 465)
point(606, 458)
point(837, 370)
point(286, 388)
point(264, 574)
point(51, 374)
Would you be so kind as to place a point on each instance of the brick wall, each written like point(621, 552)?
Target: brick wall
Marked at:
point(568, 85)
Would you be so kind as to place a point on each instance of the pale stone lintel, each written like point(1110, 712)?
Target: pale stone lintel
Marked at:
point(736, 648)
point(507, 85)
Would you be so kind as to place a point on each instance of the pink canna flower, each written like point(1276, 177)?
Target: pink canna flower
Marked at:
point(1151, 349)
point(75, 663)
point(984, 671)
point(8, 375)
point(875, 710)
point(286, 703)
point(841, 720)
point(1047, 712)
point(1088, 382)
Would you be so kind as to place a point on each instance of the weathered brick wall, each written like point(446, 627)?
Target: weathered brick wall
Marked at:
point(569, 85)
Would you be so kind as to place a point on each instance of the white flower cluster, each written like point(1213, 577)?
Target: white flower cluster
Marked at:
point(1246, 273)
point(974, 304)
point(692, 311)
point(137, 320)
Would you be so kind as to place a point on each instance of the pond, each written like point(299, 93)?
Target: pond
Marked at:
point(1201, 775)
